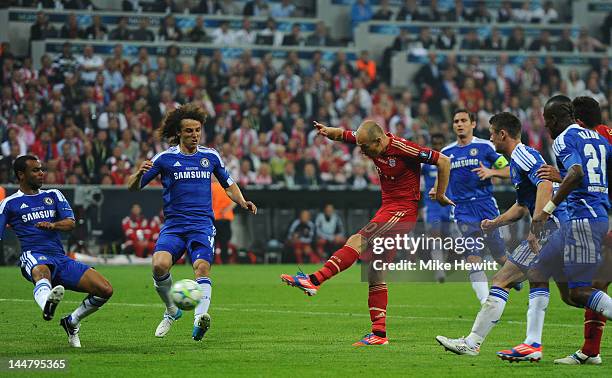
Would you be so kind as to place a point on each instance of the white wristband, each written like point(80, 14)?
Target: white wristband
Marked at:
point(549, 208)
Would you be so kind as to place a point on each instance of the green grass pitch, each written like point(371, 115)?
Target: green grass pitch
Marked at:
point(263, 328)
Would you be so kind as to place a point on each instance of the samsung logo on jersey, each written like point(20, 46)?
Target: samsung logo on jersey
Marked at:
point(464, 163)
point(191, 175)
point(38, 215)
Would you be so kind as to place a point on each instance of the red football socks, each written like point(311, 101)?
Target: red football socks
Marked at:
point(341, 260)
point(593, 330)
point(377, 302)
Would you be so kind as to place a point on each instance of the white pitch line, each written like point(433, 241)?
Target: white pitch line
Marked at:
point(318, 313)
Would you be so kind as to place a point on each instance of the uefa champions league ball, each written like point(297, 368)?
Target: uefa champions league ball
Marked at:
point(186, 294)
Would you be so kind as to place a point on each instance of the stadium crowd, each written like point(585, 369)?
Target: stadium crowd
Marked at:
point(92, 119)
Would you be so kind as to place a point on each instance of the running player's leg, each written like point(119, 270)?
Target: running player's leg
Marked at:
point(45, 296)
point(99, 289)
point(594, 322)
point(377, 304)
point(584, 242)
point(201, 251)
point(490, 312)
point(469, 217)
point(169, 248)
point(82, 278)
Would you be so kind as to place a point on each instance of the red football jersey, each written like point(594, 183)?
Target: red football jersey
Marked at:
point(605, 132)
point(399, 168)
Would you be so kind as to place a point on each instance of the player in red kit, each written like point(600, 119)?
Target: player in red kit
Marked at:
point(398, 163)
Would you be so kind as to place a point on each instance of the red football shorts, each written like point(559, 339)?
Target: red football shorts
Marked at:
point(389, 221)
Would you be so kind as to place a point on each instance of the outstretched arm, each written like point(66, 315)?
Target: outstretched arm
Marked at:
point(513, 214)
point(332, 133)
point(234, 193)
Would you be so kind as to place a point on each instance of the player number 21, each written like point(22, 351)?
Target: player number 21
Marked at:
point(596, 162)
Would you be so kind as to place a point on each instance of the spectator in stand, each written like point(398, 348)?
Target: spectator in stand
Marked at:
point(165, 6)
point(263, 176)
point(230, 8)
point(71, 29)
point(594, 91)
point(246, 35)
point(524, 14)
point(366, 65)
point(542, 43)
point(458, 13)
point(44, 148)
point(481, 13)
point(309, 179)
point(96, 30)
point(359, 179)
point(361, 11)
point(410, 12)
point(270, 35)
point(283, 9)
point(198, 32)
point(42, 29)
point(137, 233)
point(505, 12)
point(587, 43)
point(446, 40)
point(384, 13)
point(494, 41)
point(121, 32)
point(246, 176)
point(256, 8)
point(470, 41)
point(207, 7)
point(329, 231)
point(320, 37)
point(300, 238)
point(433, 14)
point(295, 37)
point(169, 31)
point(90, 65)
point(110, 114)
point(223, 209)
point(546, 15)
point(65, 63)
point(187, 80)
point(565, 43)
point(142, 33)
point(517, 40)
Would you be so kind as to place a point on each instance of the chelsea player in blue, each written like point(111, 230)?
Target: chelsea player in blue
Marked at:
point(473, 163)
point(186, 171)
point(37, 217)
point(582, 157)
point(437, 217)
point(532, 193)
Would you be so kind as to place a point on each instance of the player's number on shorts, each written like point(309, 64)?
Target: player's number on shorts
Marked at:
point(596, 162)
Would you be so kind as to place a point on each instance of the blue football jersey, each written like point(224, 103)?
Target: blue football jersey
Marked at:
point(430, 173)
point(22, 212)
point(524, 164)
point(576, 145)
point(186, 180)
point(465, 185)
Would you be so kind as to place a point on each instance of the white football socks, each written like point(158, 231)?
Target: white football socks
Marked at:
point(489, 314)
point(41, 292)
point(480, 284)
point(538, 302)
point(89, 305)
point(206, 285)
point(600, 302)
point(163, 286)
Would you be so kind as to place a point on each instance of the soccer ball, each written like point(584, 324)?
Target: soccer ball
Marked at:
point(186, 294)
